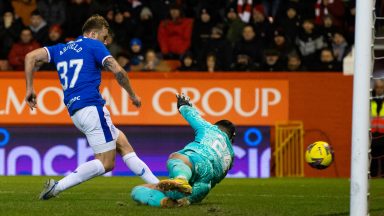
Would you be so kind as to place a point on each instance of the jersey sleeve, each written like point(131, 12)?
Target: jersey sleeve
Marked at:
point(51, 52)
point(199, 191)
point(100, 52)
point(193, 117)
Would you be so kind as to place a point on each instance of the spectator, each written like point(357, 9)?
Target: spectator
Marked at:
point(110, 15)
point(130, 8)
point(201, 32)
point(294, 63)
point(10, 28)
point(123, 29)
point(39, 27)
point(77, 13)
point(210, 64)
point(334, 8)
point(55, 35)
point(350, 22)
point(124, 61)
point(147, 29)
point(53, 11)
point(250, 45)
point(233, 26)
point(4, 65)
point(243, 63)
point(153, 63)
point(218, 46)
point(20, 49)
point(377, 129)
point(160, 9)
point(112, 45)
point(281, 44)
point(188, 63)
point(272, 61)
point(339, 46)
point(136, 52)
point(309, 42)
point(174, 34)
point(260, 24)
point(328, 61)
point(328, 29)
point(290, 23)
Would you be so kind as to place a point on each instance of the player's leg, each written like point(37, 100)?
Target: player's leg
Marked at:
point(179, 166)
point(180, 169)
point(201, 180)
point(92, 121)
point(133, 162)
point(149, 195)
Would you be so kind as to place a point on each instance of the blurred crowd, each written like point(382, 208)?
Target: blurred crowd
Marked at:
point(190, 35)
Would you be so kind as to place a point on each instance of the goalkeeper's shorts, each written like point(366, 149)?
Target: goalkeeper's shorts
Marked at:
point(202, 170)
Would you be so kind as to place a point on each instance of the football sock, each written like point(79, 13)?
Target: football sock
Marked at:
point(147, 196)
point(83, 173)
point(178, 169)
point(137, 166)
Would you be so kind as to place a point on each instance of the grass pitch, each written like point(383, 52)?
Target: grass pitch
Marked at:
point(111, 196)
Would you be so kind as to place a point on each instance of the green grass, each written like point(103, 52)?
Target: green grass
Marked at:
point(111, 196)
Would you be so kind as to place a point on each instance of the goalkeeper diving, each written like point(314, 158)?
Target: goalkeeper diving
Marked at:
point(197, 168)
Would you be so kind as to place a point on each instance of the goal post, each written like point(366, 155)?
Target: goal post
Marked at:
point(361, 106)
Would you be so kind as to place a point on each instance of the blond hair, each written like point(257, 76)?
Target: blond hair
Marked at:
point(95, 22)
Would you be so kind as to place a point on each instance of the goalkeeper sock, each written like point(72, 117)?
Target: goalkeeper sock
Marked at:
point(147, 196)
point(83, 173)
point(178, 169)
point(137, 166)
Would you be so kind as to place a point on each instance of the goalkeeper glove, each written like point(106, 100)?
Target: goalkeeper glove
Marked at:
point(182, 100)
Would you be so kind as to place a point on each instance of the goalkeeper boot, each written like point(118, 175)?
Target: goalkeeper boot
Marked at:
point(48, 190)
point(177, 184)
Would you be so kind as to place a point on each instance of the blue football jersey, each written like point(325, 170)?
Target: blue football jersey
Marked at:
point(79, 65)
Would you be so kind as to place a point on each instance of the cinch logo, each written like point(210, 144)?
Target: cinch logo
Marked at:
point(257, 158)
point(40, 164)
point(63, 154)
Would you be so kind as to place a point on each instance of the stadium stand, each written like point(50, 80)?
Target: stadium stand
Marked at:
point(239, 34)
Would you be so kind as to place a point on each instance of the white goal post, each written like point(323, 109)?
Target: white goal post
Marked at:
point(361, 106)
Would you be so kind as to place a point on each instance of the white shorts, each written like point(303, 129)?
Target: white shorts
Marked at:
point(95, 123)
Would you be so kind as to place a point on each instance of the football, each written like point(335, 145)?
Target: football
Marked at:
point(319, 155)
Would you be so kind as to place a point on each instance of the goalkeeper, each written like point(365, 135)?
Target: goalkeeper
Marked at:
point(197, 168)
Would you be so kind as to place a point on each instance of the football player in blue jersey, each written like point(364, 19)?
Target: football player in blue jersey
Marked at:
point(79, 65)
point(195, 169)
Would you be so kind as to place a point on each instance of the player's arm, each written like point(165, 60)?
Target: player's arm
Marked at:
point(33, 61)
point(199, 191)
point(122, 78)
point(190, 113)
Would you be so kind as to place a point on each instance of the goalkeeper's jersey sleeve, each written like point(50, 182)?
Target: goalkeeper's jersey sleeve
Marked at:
point(210, 142)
